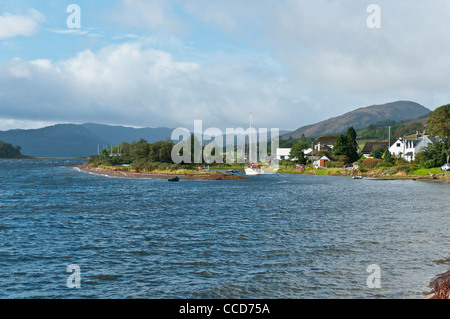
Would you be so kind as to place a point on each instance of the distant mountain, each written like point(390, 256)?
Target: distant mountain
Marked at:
point(80, 140)
point(117, 134)
point(63, 140)
point(72, 140)
point(362, 118)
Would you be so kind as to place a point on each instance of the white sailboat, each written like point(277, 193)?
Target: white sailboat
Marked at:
point(254, 168)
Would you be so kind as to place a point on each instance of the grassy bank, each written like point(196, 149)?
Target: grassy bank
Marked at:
point(403, 172)
point(169, 171)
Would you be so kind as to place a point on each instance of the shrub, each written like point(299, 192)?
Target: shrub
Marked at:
point(370, 163)
point(441, 289)
point(344, 159)
point(288, 163)
point(334, 164)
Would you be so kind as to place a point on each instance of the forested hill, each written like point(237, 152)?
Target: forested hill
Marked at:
point(362, 118)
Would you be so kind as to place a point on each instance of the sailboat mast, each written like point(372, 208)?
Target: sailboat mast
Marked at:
point(250, 141)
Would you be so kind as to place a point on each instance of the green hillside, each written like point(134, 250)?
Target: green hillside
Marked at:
point(363, 118)
point(380, 130)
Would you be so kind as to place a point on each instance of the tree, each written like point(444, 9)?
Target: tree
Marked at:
point(340, 146)
point(387, 158)
point(378, 153)
point(140, 149)
point(9, 151)
point(161, 152)
point(439, 123)
point(326, 153)
point(434, 155)
point(104, 153)
point(297, 152)
point(352, 145)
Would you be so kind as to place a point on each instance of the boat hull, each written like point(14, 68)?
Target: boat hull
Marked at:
point(252, 171)
point(259, 171)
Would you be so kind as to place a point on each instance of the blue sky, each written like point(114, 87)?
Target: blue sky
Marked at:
point(170, 62)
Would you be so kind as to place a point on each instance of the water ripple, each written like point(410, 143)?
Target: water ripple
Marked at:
point(295, 237)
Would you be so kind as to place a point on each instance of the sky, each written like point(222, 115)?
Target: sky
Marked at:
point(167, 63)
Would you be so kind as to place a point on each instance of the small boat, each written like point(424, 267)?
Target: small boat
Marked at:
point(175, 179)
point(254, 169)
point(357, 177)
point(232, 171)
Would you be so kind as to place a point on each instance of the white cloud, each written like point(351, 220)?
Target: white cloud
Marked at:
point(12, 25)
point(291, 63)
point(326, 48)
point(139, 86)
point(14, 124)
point(336, 62)
point(70, 31)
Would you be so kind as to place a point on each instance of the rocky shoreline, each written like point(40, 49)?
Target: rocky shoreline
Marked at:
point(206, 176)
point(440, 287)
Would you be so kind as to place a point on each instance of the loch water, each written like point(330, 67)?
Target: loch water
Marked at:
point(278, 236)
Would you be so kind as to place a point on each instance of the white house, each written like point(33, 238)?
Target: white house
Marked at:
point(408, 149)
point(283, 153)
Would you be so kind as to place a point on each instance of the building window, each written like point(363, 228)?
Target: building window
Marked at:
point(398, 145)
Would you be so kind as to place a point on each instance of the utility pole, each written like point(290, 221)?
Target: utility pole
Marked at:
point(389, 146)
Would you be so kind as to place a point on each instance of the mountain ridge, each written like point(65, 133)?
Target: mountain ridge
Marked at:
point(77, 140)
point(83, 140)
point(362, 118)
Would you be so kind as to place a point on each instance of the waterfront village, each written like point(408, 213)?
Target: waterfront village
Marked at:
point(402, 148)
point(416, 156)
point(373, 152)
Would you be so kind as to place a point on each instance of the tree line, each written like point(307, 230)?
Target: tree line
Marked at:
point(345, 150)
point(139, 153)
point(10, 151)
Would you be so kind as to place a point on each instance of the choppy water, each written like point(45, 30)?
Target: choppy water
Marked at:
point(283, 236)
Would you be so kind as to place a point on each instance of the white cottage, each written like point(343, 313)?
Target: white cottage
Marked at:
point(408, 149)
point(283, 153)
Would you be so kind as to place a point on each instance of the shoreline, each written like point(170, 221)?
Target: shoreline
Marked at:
point(214, 176)
point(440, 287)
point(110, 172)
point(374, 175)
